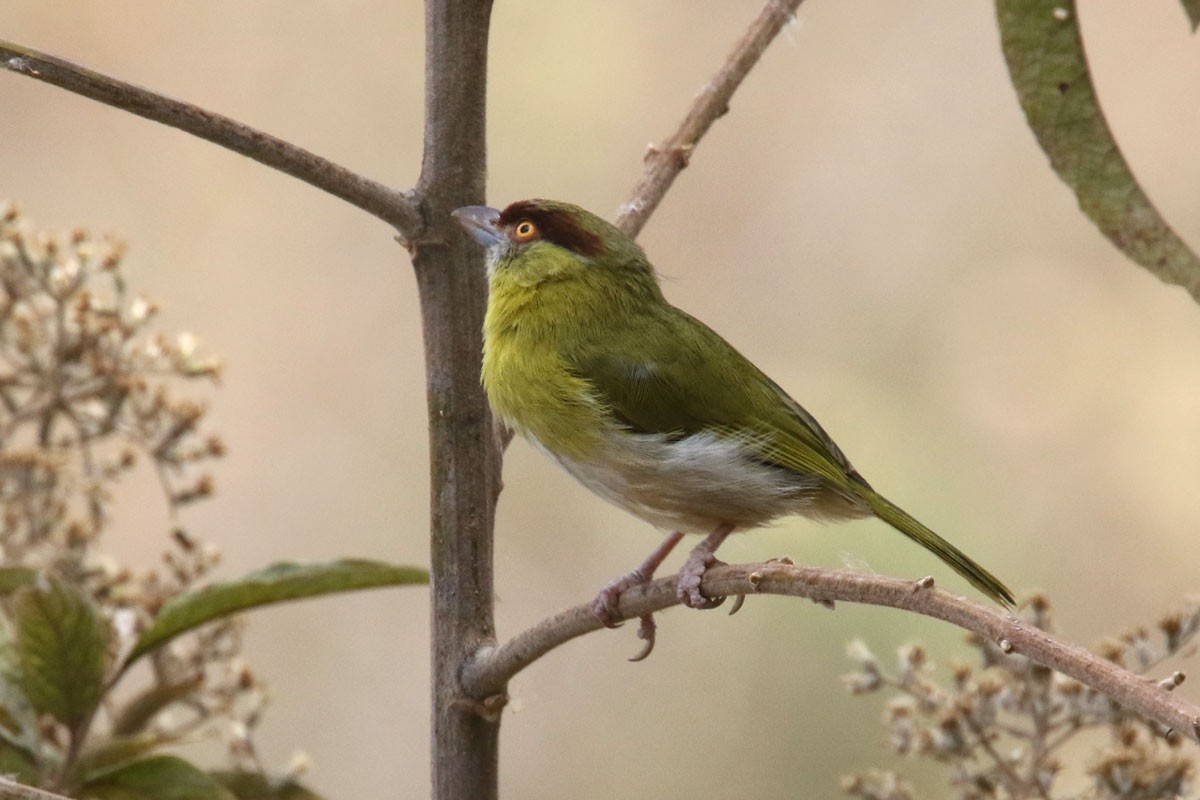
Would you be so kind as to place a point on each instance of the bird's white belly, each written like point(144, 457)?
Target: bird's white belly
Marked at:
point(692, 484)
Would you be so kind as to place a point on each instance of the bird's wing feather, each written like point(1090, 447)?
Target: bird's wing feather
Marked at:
point(678, 377)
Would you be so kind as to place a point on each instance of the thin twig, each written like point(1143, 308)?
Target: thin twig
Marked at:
point(494, 666)
point(1012, 781)
point(665, 161)
point(11, 790)
point(396, 208)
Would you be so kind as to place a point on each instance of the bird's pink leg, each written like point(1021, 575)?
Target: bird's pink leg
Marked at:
point(698, 561)
point(605, 606)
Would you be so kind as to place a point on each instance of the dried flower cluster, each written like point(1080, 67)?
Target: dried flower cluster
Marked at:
point(200, 683)
point(83, 391)
point(86, 394)
point(1002, 727)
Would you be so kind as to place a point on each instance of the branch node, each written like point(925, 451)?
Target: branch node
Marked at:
point(681, 154)
point(923, 583)
point(406, 243)
point(1005, 646)
point(18, 64)
point(422, 240)
point(754, 579)
point(488, 709)
point(1171, 681)
point(825, 602)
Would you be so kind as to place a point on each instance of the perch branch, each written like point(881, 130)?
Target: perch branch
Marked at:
point(665, 161)
point(396, 208)
point(492, 667)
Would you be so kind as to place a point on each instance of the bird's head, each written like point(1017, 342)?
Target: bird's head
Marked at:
point(534, 241)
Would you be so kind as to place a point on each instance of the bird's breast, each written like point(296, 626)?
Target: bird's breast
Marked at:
point(531, 389)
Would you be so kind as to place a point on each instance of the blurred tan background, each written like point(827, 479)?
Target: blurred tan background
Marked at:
point(873, 224)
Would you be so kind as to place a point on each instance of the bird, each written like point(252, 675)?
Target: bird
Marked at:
point(648, 407)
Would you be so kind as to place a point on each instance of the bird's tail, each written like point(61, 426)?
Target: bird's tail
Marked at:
point(959, 561)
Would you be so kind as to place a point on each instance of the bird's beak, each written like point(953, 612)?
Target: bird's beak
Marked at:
point(480, 222)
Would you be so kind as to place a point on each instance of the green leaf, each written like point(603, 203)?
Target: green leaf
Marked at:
point(20, 733)
point(112, 752)
point(138, 712)
point(255, 786)
point(13, 578)
point(1048, 67)
point(60, 647)
point(1192, 8)
point(17, 763)
point(275, 584)
point(157, 778)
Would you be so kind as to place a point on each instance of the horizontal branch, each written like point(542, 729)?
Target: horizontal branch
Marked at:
point(665, 161)
point(492, 667)
point(396, 208)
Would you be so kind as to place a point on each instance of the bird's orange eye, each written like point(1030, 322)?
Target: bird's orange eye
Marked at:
point(525, 231)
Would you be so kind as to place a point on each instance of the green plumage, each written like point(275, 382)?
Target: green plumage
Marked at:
point(645, 404)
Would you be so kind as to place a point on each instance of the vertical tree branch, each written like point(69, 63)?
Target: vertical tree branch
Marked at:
point(465, 458)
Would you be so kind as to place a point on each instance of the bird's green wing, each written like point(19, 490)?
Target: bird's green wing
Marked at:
point(671, 374)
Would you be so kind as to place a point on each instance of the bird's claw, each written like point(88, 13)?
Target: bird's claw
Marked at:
point(606, 605)
point(606, 608)
point(697, 600)
point(646, 631)
point(738, 602)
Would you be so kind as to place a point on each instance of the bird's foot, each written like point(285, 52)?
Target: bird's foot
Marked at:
point(606, 605)
point(698, 561)
point(688, 588)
